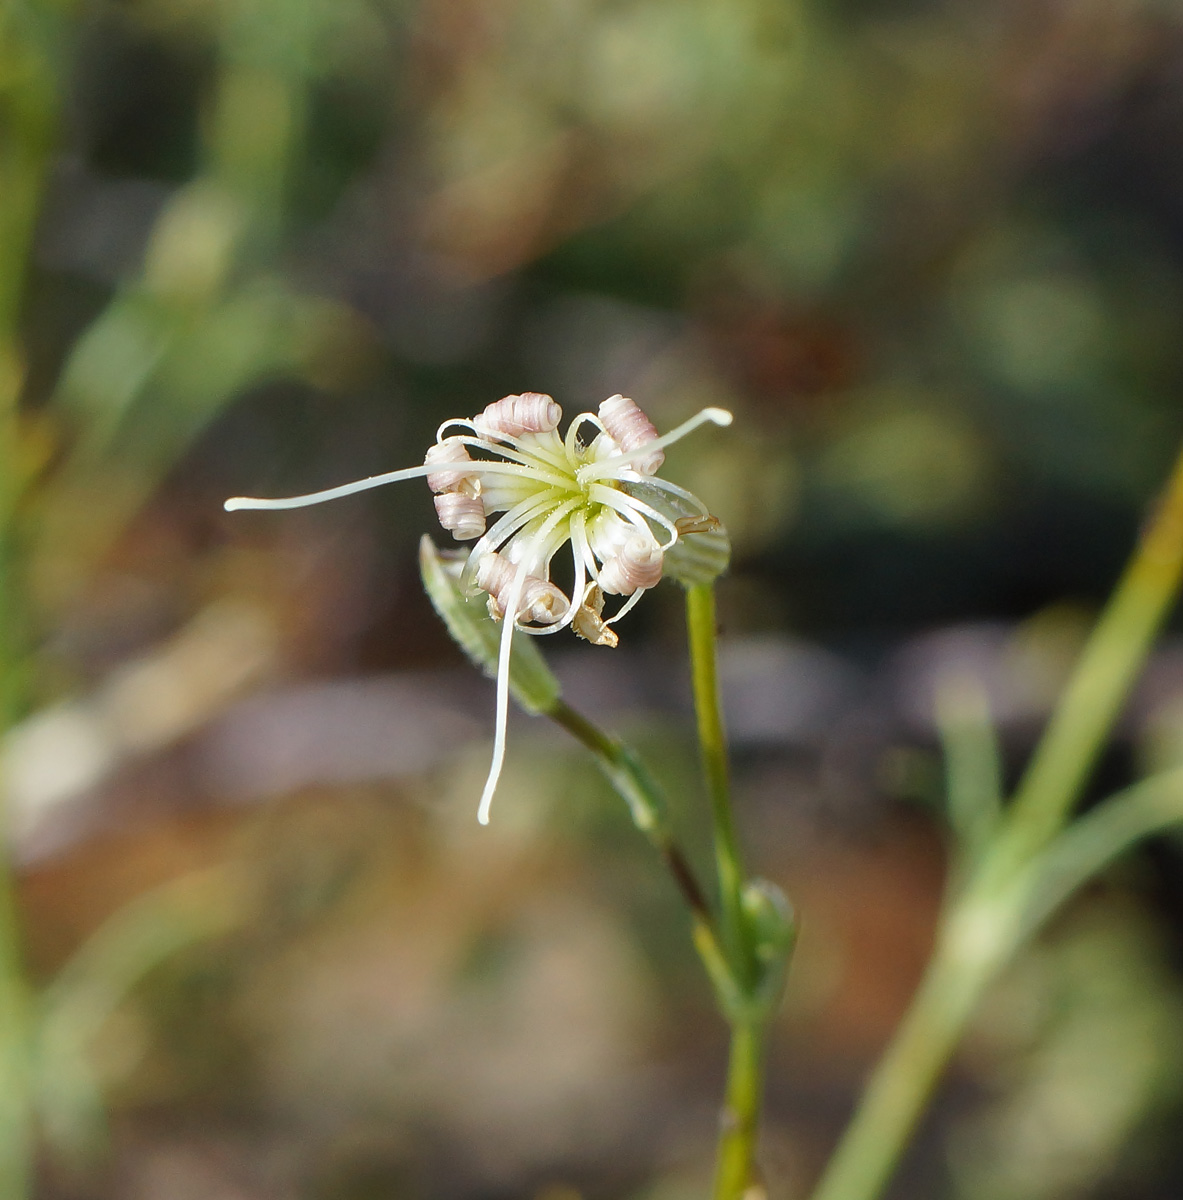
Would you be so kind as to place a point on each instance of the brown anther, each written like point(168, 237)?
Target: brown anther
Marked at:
point(587, 623)
point(685, 525)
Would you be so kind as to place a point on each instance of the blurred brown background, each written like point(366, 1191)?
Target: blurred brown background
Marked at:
point(929, 252)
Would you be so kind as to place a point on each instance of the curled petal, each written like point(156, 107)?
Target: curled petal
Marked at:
point(462, 515)
point(630, 429)
point(531, 412)
point(451, 450)
point(539, 601)
point(636, 565)
point(542, 603)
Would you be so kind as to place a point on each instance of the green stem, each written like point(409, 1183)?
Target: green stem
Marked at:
point(736, 1169)
point(634, 784)
point(741, 1115)
point(15, 1081)
point(26, 142)
point(28, 118)
point(700, 621)
point(1102, 835)
point(973, 766)
point(985, 921)
point(905, 1077)
point(741, 1111)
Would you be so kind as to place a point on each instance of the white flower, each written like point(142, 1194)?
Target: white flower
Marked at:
point(550, 491)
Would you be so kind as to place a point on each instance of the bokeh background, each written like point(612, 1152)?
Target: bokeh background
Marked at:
point(929, 252)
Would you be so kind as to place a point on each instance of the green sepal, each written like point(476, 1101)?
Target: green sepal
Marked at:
point(772, 928)
point(696, 558)
point(531, 682)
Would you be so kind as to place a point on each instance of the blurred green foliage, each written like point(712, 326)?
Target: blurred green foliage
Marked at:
point(931, 254)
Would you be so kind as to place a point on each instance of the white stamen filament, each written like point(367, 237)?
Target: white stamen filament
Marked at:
point(236, 503)
point(479, 467)
point(674, 490)
point(609, 466)
point(548, 471)
point(633, 510)
point(501, 722)
point(536, 547)
point(514, 520)
point(578, 521)
point(571, 441)
point(579, 540)
point(552, 454)
point(626, 607)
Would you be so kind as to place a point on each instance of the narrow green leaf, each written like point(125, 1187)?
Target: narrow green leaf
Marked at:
point(531, 681)
point(100, 977)
point(1099, 837)
point(973, 763)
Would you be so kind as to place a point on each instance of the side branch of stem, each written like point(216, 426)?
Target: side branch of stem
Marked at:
point(640, 793)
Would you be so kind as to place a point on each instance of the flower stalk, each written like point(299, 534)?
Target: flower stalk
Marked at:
point(739, 1126)
point(712, 739)
point(757, 923)
point(595, 490)
point(740, 1118)
point(15, 1067)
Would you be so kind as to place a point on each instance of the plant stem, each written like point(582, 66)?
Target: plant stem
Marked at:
point(700, 622)
point(735, 1170)
point(15, 1081)
point(626, 774)
point(984, 922)
point(733, 974)
point(904, 1079)
point(26, 143)
point(28, 124)
point(1106, 832)
point(741, 1111)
